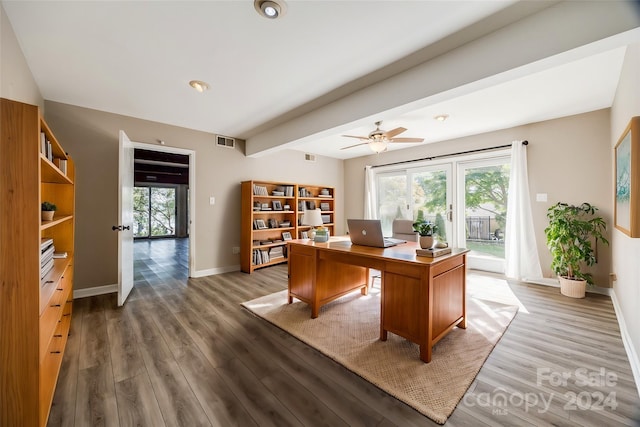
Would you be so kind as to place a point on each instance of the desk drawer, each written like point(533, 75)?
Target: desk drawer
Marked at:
point(447, 265)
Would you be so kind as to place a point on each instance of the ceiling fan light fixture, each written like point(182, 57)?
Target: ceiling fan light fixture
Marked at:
point(198, 85)
point(378, 145)
point(270, 9)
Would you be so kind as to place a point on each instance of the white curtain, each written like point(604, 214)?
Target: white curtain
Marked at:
point(369, 193)
point(521, 253)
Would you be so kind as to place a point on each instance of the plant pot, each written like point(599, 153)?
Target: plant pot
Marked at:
point(426, 242)
point(47, 215)
point(572, 288)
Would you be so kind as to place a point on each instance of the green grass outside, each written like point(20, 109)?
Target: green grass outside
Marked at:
point(492, 248)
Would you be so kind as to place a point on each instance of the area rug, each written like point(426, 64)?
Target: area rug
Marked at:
point(348, 329)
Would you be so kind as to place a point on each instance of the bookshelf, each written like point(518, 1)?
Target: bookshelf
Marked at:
point(265, 216)
point(36, 303)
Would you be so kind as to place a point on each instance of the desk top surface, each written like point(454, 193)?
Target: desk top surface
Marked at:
point(403, 252)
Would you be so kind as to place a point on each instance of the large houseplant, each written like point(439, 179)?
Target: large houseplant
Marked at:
point(571, 233)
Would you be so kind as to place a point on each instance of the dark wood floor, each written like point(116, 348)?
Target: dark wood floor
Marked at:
point(182, 352)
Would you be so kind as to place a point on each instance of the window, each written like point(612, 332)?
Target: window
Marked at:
point(154, 211)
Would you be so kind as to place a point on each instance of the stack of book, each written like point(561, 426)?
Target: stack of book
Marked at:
point(277, 252)
point(46, 256)
point(260, 256)
point(433, 252)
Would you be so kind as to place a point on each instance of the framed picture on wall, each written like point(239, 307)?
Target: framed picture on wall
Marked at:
point(627, 186)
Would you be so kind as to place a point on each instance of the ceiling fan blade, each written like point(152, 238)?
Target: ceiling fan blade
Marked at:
point(357, 145)
point(393, 132)
point(363, 138)
point(407, 140)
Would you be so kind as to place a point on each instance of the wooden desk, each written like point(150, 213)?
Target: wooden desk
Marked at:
point(422, 298)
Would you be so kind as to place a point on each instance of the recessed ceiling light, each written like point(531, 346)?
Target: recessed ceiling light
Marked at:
point(198, 85)
point(270, 9)
point(441, 117)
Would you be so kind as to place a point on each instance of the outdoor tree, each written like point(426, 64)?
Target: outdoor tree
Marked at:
point(486, 190)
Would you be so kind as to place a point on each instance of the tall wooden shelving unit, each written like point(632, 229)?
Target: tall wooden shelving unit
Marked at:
point(299, 198)
point(35, 311)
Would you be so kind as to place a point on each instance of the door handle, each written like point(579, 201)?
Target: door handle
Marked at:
point(121, 227)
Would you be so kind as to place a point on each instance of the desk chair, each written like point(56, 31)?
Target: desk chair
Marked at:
point(400, 229)
point(403, 229)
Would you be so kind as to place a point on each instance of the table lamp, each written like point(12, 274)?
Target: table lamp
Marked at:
point(314, 219)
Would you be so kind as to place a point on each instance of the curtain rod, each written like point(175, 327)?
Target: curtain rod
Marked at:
point(460, 153)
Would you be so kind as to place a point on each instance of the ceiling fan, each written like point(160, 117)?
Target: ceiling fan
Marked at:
point(378, 139)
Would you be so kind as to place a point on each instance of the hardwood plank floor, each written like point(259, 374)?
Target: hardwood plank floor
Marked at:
point(183, 352)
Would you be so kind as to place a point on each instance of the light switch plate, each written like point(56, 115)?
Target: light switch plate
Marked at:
point(541, 197)
point(212, 200)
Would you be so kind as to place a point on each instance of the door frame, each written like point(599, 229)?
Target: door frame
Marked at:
point(192, 191)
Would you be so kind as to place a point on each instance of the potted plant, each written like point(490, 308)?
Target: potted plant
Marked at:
point(426, 230)
point(571, 232)
point(47, 211)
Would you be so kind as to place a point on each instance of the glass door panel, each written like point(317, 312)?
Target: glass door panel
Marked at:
point(484, 193)
point(154, 211)
point(141, 212)
point(431, 191)
point(392, 199)
point(162, 209)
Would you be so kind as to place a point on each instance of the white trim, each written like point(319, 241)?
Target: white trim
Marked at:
point(555, 284)
point(97, 290)
point(214, 271)
point(634, 361)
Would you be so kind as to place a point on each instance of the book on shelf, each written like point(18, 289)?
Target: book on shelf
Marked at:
point(433, 252)
point(46, 268)
point(61, 164)
point(60, 255)
point(43, 144)
point(45, 242)
point(260, 190)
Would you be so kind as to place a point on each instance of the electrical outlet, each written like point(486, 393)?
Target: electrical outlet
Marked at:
point(235, 250)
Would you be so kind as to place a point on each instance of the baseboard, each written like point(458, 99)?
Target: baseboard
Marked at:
point(214, 271)
point(98, 290)
point(555, 284)
point(634, 361)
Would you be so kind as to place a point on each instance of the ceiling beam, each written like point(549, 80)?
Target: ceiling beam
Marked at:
point(565, 31)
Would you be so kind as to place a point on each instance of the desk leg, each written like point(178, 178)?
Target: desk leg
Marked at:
point(425, 353)
point(290, 299)
point(314, 311)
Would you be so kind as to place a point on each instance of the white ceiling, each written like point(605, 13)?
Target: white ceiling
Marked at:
point(136, 59)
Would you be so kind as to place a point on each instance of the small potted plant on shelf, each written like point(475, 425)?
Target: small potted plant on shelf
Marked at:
point(48, 210)
point(426, 230)
point(571, 232)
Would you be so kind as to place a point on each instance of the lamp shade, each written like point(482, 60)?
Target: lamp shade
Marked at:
point(312, 218)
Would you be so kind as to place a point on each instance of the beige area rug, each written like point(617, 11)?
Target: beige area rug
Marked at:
point(347, 330)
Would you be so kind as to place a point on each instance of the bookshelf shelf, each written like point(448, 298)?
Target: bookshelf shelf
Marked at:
point(37, 291)
point(298, 196)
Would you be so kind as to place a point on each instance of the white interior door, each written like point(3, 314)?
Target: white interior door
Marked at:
point(125, 218)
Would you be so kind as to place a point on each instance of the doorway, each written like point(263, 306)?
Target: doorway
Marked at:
point(161, 215)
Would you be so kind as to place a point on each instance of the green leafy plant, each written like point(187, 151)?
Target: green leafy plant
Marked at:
point(570, 234)
point(425, 228)
point(48, 206)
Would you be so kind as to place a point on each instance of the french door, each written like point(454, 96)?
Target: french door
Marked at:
point(420, 193)
point(465, 197)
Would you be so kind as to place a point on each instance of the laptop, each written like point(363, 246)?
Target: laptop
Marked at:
point(368, 232)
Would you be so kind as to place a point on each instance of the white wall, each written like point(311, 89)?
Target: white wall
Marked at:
point(91, 138)
point(567, 160)
point(626, 251)
point(16, 80)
